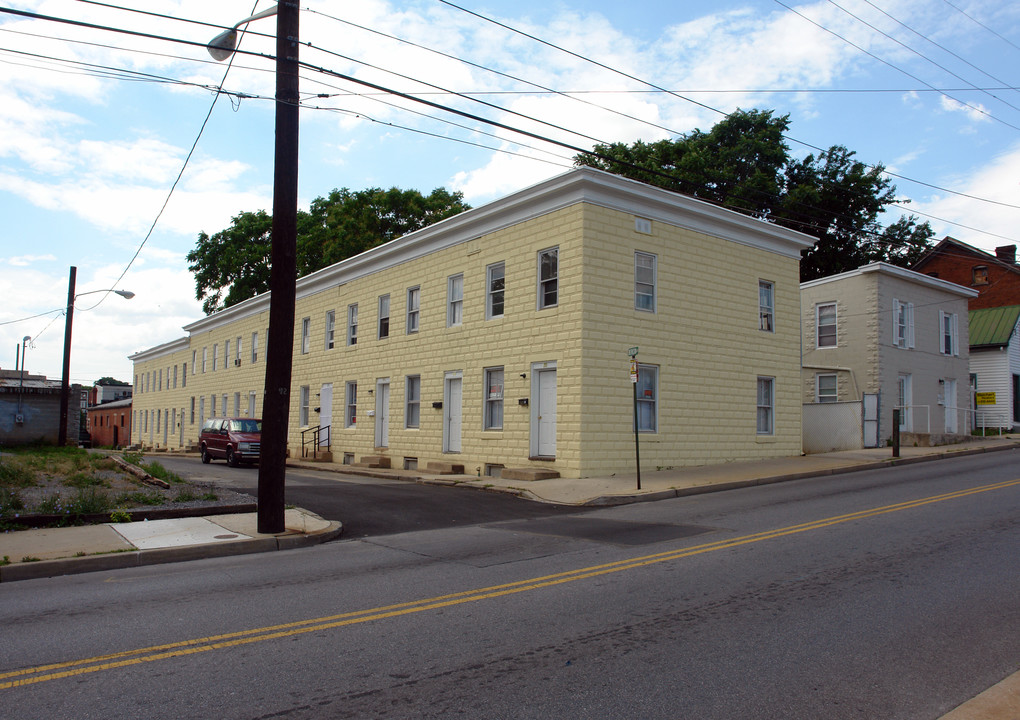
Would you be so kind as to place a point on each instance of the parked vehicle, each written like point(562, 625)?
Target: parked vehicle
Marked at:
point(236, 440)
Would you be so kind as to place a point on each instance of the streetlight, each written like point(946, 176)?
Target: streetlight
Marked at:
point(283, 271)
point(65, 389)
point(21, 383)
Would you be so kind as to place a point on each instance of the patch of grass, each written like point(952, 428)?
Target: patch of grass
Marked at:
point(120, 516)
point(52, 505)
point(158, 471)
point(14, 474)
point(87, 501)
point(6, 560)
point(29, 558)
point(10, 502)
point(83, 479)
point(139, 498)
point(135, 458)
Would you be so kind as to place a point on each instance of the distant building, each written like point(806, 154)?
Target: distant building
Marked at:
point(99, 394)
point(109, 424)
point(995, 278)
point(995, 365)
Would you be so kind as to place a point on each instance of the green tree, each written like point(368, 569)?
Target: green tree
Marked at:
point(233, 264)
point(107, 380)
point(744, 164)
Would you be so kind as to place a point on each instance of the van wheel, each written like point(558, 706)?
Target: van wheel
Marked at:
point(231, 460)
point(205, 455)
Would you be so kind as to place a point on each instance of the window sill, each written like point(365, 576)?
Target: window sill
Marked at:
point(543, 458)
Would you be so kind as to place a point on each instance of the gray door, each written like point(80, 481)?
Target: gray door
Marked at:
point(382, 413)
point(870, 419)
point(452, 402)
point(545, 414)
point(325, 413)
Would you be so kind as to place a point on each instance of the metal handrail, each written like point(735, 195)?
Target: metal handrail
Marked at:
point(315, 441)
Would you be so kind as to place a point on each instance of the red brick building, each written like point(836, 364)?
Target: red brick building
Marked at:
point(110, 423)
point(995, 277)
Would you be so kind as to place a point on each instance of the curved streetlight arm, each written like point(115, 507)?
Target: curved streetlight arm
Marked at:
point(126, 294)
point(222, 46)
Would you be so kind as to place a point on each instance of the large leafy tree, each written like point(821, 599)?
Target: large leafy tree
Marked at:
point(233, 264)
point(744, 164)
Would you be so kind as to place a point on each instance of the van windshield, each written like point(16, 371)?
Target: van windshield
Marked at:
point(247, 426)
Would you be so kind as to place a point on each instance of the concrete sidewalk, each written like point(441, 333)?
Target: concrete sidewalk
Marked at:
point(59, 551)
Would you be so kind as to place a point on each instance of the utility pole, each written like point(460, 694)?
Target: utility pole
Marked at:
point(282, 278)
point(65, 389)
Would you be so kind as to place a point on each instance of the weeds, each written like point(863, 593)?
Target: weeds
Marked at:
point(158, 471)
point(84, 480)
point(10, 502)
point(14, 474)
point(139, 498)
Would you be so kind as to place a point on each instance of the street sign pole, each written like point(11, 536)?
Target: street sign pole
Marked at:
point(633, 381)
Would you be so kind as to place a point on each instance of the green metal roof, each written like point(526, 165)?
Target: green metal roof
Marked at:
point(993, 327)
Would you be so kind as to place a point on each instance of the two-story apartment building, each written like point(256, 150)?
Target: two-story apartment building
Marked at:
point(500, 338)
point(886, 331)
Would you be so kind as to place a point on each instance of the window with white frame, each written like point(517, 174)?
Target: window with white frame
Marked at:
point(454, 300)
point(251, 404)
point(548, 278)
point(384, 316)
point(303, 397)
point(306, 335)
point(495, 284)
point(192, 415)
point(903, 324)
point(413, 308)
point(412, 401)
point(213, 406)
point(184, 375)
point(226, 354)
point(254, 347)
point(826, 388)
point(825, 325)
point(766, 306)
point(766, 405)
point(647, 398)
point(224, 403)
point(175, 377)
point(493, 399)
point(194, 354)
point(351, 408)
point(205, 356)
point(352, 324)
point(644, 281)
point(330, 329)
point(948, 325)
point(237, 352)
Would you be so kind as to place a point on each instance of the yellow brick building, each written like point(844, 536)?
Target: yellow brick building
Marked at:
point(499, 338)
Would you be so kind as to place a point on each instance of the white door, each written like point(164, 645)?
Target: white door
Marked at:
point(905, 402)
point(870, 420)
point(452, 401)
point(382, 413)
point(181, 425)
point(949, 398)
point(545, 414)
point(325, 413)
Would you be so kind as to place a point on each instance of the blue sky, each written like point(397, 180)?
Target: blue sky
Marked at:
point(88, 155)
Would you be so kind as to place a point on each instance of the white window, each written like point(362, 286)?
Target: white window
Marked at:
point(766, 405)
point(215, 354)
point(205, 357)
point(184, 374)
point(904, 400)
point(224, 403)
point(384, 316)
point(159, 385)
point(226, 354)
point(237, 356)
point(948, 324)
point(175, 377)
point(213, 405)
point(303, 406)
point(255, 347)
point(352, 324)
point(825, 325)
point(647, 398)
point(194, 354)
point(413, 307)
point(493, 399)
point(351, 411)
point(306, 335)
point(644, 281)
point(825, 388)
point(251, 404)
point(192, 410)
point(495, 284)
point(903, 324)
point(548, 278)
point(412, 401)
point(766, 306)
point(454, 300)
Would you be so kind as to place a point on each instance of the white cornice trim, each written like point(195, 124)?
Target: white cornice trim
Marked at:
point(160, 350)
point(898, 272)
point(579, 185)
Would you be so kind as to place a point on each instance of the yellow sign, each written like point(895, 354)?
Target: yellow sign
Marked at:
point(985, 398)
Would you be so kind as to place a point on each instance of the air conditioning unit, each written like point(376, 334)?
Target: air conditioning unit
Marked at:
point(237, 362)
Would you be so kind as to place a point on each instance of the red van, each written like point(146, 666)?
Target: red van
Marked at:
point(236, 440)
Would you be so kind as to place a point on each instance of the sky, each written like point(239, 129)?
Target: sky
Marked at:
point(97, 125)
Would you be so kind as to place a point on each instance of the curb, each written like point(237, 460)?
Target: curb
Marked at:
point(160, 556)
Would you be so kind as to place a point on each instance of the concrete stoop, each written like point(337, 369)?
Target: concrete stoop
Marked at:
point(373, 461)
point(322, 456)
point(528, 473)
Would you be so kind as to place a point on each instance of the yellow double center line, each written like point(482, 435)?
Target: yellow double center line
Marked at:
point(43, 673)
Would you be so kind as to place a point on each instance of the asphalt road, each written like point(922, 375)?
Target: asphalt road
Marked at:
point(369, 506)
point(884, 594)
